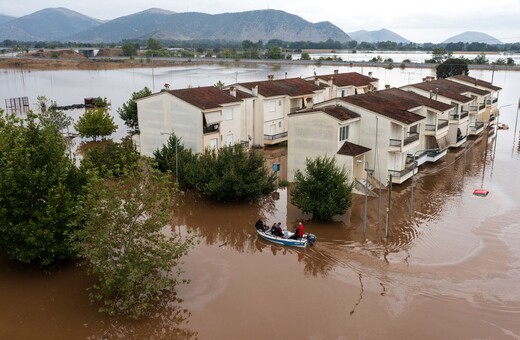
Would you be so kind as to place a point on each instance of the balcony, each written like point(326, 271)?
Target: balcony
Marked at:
point(210, 128)
point(398, 145)
point(442, 124)
point(476, 128)
point(399, 176)
point(275, 139)
point(464, 114)
point(434, 156)
point(460, 140)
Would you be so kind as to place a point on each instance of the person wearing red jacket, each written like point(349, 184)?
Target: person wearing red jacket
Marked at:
point(298, 231)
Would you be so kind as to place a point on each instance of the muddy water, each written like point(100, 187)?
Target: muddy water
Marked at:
point(450, 271)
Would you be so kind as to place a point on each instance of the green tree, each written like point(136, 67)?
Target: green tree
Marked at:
point(305, 56)
point(323, 189)
point(111, 159)
point(129, 49)
point(128, 113)
point(95, 123)
point(39, 190)
point(128, 244)
point(274, 53)
point(452, 67)
point(438, 55)
point(153, 44)
point(229, 174)
point(481, 59)
point(219, 85)
point(50, 115)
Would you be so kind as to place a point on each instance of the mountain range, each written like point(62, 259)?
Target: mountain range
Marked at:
point(62, 24)
point(469, 37)
point(377, 36)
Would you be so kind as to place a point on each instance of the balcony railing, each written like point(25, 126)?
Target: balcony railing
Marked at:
point(276, 136)
point(476, 126)
point(413, 136)
point(442, 123)
point(429, 127)
point(395, 142)
point(402, 173)
point(464, 114)
point(482, 106)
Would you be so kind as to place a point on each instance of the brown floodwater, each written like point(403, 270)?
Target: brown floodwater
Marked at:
point(450, 271)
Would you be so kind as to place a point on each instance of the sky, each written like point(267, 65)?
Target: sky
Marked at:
point(418, 21)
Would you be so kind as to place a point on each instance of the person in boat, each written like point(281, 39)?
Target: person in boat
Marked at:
point(274, 230)
point(259, 225)
point(279, 229)
point(298, 231)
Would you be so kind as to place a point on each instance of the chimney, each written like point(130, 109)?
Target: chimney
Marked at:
point(436, 93)
point(387, 87)
point(330, 81)
point(167, 86)
point(317, 81)
point(270, 77)
point(336, 71)
point(233, 91)
point(370, 74)
point(254, 91)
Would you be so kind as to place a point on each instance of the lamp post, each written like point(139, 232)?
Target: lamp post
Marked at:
point(176, 155)
point(498, 127)
point(516, 121)
point(366, 199)
point(413, 175)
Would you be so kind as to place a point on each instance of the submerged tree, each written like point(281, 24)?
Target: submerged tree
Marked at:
point(452, 67)
point(229, 174)
point(128, 243)
point(95, 123)
point(40, 188)
point(128, 112)
point(323, 189)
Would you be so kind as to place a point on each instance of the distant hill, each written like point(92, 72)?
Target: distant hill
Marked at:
point(469, 37)
point(377, 36)
point(131, 26)
point(5, 18)
point(46, 25)
point(251, 25)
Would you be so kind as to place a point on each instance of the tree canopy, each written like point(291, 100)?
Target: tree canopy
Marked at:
point(323, 189)
point(40, 188)
point(452, 67)
point(95, 123)
point(128, 244)
point(229, 174)
point(128, 112)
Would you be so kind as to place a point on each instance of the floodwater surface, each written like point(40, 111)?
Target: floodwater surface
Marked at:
point(448, 270)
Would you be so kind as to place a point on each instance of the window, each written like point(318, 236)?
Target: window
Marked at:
point(229, 139)
point(280, 124)
point(280, 102)
point(229, 114)
point(343, 133)
point(213, 143)
point(272, 106)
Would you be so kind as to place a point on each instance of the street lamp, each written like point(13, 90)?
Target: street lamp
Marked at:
point(366, 199)
point(413, 175)
point(176, 155)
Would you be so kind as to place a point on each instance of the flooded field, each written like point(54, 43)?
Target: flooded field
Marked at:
point(449, 271)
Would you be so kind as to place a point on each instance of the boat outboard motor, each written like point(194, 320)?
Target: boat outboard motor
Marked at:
point(311, 238)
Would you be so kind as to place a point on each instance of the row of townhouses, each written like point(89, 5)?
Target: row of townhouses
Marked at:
point(390, 132)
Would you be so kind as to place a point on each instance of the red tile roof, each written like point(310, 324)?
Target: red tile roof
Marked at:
point(293, 87)
point(348, 79)
point(414, 100)
point(205, 98)
point(388, 105)
point(339, 112)
point(450, 89)
point(351, 149)
point(476, 82)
